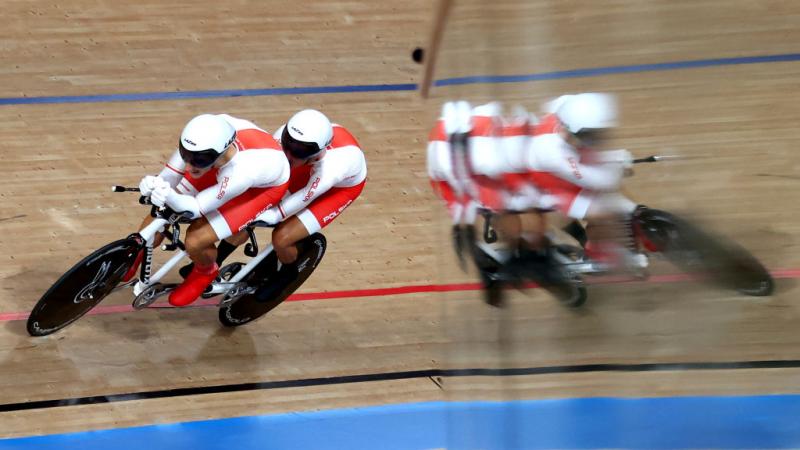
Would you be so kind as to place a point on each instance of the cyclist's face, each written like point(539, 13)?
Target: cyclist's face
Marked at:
point(196, 172)
point(597, 139)
point(296, 162)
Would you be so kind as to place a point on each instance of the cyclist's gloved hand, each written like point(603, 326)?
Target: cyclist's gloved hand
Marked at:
point(147, 185)
point(165, 195)
point(160, 193)
point(622, 157)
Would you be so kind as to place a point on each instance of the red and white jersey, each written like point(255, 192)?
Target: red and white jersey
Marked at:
point(495, 155)
point(554, 162)
point(446, 184)
point(496, 144)
point(342, 165)
point(258, 163)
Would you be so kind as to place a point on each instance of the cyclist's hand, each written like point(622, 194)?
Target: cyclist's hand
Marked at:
point(147, 185)
point(160, 193)
point(622, 157)
point(627, 160)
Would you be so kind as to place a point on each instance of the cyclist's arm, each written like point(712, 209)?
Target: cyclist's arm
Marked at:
point(319, 182)
point(598, 178)
point(566, 164)
point(209, 199)
point(173, 170)
point(228, 187)
point(261, 169)
point(440, 167)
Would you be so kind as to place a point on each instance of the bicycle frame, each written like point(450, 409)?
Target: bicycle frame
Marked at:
point(145, 280)
point(224, 286)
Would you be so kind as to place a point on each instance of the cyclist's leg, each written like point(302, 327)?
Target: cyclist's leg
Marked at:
point(158, 238)
point(200, 239)
point(199, 242)
point(289, 238)
point(609, 204)
point(230, 218)
point(286, 236)
point(224, 249)
point(188, 185)
point(237, 239)
point(609, 230)
point(534, 256)
point(533, 228)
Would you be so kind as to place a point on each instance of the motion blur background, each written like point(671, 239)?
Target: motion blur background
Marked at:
point(94, 93)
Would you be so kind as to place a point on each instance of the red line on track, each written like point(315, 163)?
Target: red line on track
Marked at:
point(399, 290)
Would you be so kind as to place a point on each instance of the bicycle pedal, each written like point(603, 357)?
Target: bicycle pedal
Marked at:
point(229, 271)
point(129, 283)
point(594, 267)
point(235, 293)
point(152, 293)
point(218, 287)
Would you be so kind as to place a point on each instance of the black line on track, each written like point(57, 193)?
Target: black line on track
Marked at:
point(405, 375)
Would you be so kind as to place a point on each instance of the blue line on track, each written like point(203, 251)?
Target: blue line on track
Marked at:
point(150, 96)
point(481, 79)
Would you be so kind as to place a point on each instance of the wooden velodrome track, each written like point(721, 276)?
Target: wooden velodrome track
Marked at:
point(60, 158)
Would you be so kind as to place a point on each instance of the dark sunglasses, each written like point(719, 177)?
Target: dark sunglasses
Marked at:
point(593, 137)
point(298, 149)
point(201, 160)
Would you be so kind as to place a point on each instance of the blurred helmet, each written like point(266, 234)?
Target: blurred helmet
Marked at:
point(583, 113)
point(306, 134)
point(204, 139)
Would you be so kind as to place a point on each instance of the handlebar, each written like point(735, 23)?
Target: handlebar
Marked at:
point(655, 158)
point(164, 212)
point(648, 159)
point(116, 188)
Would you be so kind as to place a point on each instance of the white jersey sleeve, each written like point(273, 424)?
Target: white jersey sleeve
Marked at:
point(173, 170)
point(439, 163)
point(248, 169)
point(550, 153)
point(341, 167)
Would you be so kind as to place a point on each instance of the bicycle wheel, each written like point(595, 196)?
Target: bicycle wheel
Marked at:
point(551, 275)
point(696, 251)
point(563, 284)
point(247, 308)
point(83, 286)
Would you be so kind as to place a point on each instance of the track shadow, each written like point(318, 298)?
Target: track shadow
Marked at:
point(20, 290)
point(17, 328)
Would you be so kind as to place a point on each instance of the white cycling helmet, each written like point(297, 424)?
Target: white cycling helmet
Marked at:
point(204, 139)
point(585, 112)
point(306, 134)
